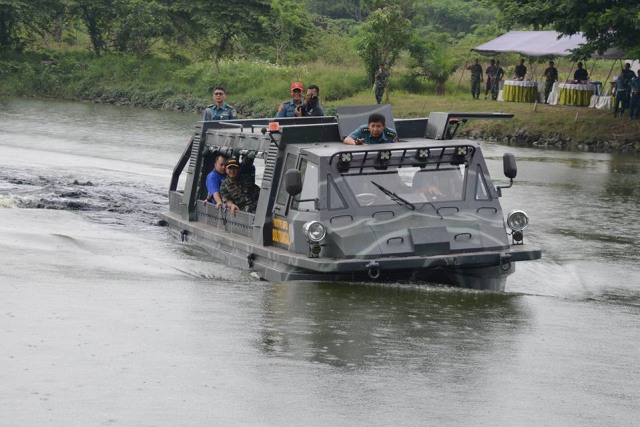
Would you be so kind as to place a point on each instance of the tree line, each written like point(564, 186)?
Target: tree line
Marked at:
point(433, 35)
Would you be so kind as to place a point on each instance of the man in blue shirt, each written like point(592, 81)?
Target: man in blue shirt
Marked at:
point(214, 180)
point(288, 109)
point(220, 110)
point(375, 132)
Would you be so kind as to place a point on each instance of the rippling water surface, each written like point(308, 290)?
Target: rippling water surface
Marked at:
point(105, 319)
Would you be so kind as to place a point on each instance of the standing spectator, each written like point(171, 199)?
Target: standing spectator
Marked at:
point(551, 76)
point(500, 71)
point(634, 109)
point(311, 106)
point(288, 109)
point(580, 75)
point(489, 71)
point(495, 81)
point(520, 70)
point(380, 82)
point(629, 75)
point(476, 78)
point(621, 95)
point(219, 110)
point(214, 180)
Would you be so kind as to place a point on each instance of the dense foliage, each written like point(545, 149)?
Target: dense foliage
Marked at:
point(604, 23)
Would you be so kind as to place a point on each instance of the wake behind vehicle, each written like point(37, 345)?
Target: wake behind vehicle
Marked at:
point(422, 209)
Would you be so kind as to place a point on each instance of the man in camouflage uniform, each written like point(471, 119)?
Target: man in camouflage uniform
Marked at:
point(551, 76)
point(494, 76)
point(239, 192)
point(476, 78)
point(489, 71)
point(381, 78)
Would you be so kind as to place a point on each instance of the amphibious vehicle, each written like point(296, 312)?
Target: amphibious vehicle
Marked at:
point(421, 209)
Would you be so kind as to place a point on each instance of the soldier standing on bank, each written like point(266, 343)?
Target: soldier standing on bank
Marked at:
point(476, 78)
point(219, 110)
point(551, 76)
point(381, 78)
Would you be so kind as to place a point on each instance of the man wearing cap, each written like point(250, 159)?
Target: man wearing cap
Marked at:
point(239, 192)
point(311, 106)
point(219, 110)
point(375, 132)
point(214, 180)
point(288, 109)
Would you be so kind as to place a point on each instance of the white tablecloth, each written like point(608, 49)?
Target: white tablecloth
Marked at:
point(600, 102)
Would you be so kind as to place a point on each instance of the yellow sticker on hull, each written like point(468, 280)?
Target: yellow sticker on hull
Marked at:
point(280, 232)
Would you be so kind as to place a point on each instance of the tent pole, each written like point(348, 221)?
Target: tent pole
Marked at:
point(570, 70)
point(604, 86)
point(464, 68)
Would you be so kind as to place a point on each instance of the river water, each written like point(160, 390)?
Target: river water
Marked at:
point(106, 320)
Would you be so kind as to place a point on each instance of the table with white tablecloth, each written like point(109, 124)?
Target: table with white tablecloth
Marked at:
point(575, 94)
point(519, 91)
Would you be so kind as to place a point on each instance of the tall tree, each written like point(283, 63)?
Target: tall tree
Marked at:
point(21, 20)
point(604, 23)
point(218, 23)
point(381, 38)
point(100, 17)
point(140, 26)
point(288, 27)
point(433, 60)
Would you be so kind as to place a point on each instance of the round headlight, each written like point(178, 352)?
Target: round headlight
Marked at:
point(517, 220)
point(314, 231)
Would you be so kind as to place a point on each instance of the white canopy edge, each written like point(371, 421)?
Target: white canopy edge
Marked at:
point(539, 43)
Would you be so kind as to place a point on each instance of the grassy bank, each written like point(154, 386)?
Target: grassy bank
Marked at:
point(257, 88)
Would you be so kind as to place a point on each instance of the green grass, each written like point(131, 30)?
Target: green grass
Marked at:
point(256, 88)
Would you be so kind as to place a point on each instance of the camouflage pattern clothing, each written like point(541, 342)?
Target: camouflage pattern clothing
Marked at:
point(551, 76)
point(476, 79)
point(381, 77)
point(494, 78)
point(242, 192)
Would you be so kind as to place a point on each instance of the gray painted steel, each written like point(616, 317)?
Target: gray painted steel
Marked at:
point(422, 209)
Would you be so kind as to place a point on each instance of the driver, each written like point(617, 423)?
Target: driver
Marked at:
point(375, 132)
point(420, 184)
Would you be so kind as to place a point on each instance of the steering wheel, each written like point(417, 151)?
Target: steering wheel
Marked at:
point(366, 199)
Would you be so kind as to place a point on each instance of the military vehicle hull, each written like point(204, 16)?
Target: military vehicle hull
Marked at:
point(368, 216)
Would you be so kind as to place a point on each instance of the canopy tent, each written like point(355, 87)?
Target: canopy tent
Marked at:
point(539, 43)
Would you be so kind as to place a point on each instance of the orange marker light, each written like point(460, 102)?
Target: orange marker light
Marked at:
point(274, 127)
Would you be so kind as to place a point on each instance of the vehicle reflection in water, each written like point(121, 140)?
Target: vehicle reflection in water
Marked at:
point(360, 325)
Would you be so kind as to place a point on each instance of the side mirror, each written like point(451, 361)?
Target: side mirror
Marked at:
point(293, 182)
point(509, 165)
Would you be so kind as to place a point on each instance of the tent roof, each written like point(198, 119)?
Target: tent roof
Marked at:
point(538, 43)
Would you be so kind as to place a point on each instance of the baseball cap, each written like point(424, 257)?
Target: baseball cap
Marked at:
point(232, 163)
point(296, 85)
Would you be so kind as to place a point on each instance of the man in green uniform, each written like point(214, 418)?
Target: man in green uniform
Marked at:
point(239, 192)
point(381, 78)
point(476, 78)
point(551, 76)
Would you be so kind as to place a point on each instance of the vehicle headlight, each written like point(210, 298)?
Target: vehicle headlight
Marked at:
point(517, 220)
point(314, 231)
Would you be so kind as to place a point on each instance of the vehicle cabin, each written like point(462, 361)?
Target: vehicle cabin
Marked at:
point(327, 208)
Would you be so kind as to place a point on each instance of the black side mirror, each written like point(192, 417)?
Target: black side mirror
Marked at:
point(509, 165)
point(293, 182)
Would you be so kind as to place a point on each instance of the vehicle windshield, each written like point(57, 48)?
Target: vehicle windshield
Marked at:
point(407, 186)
